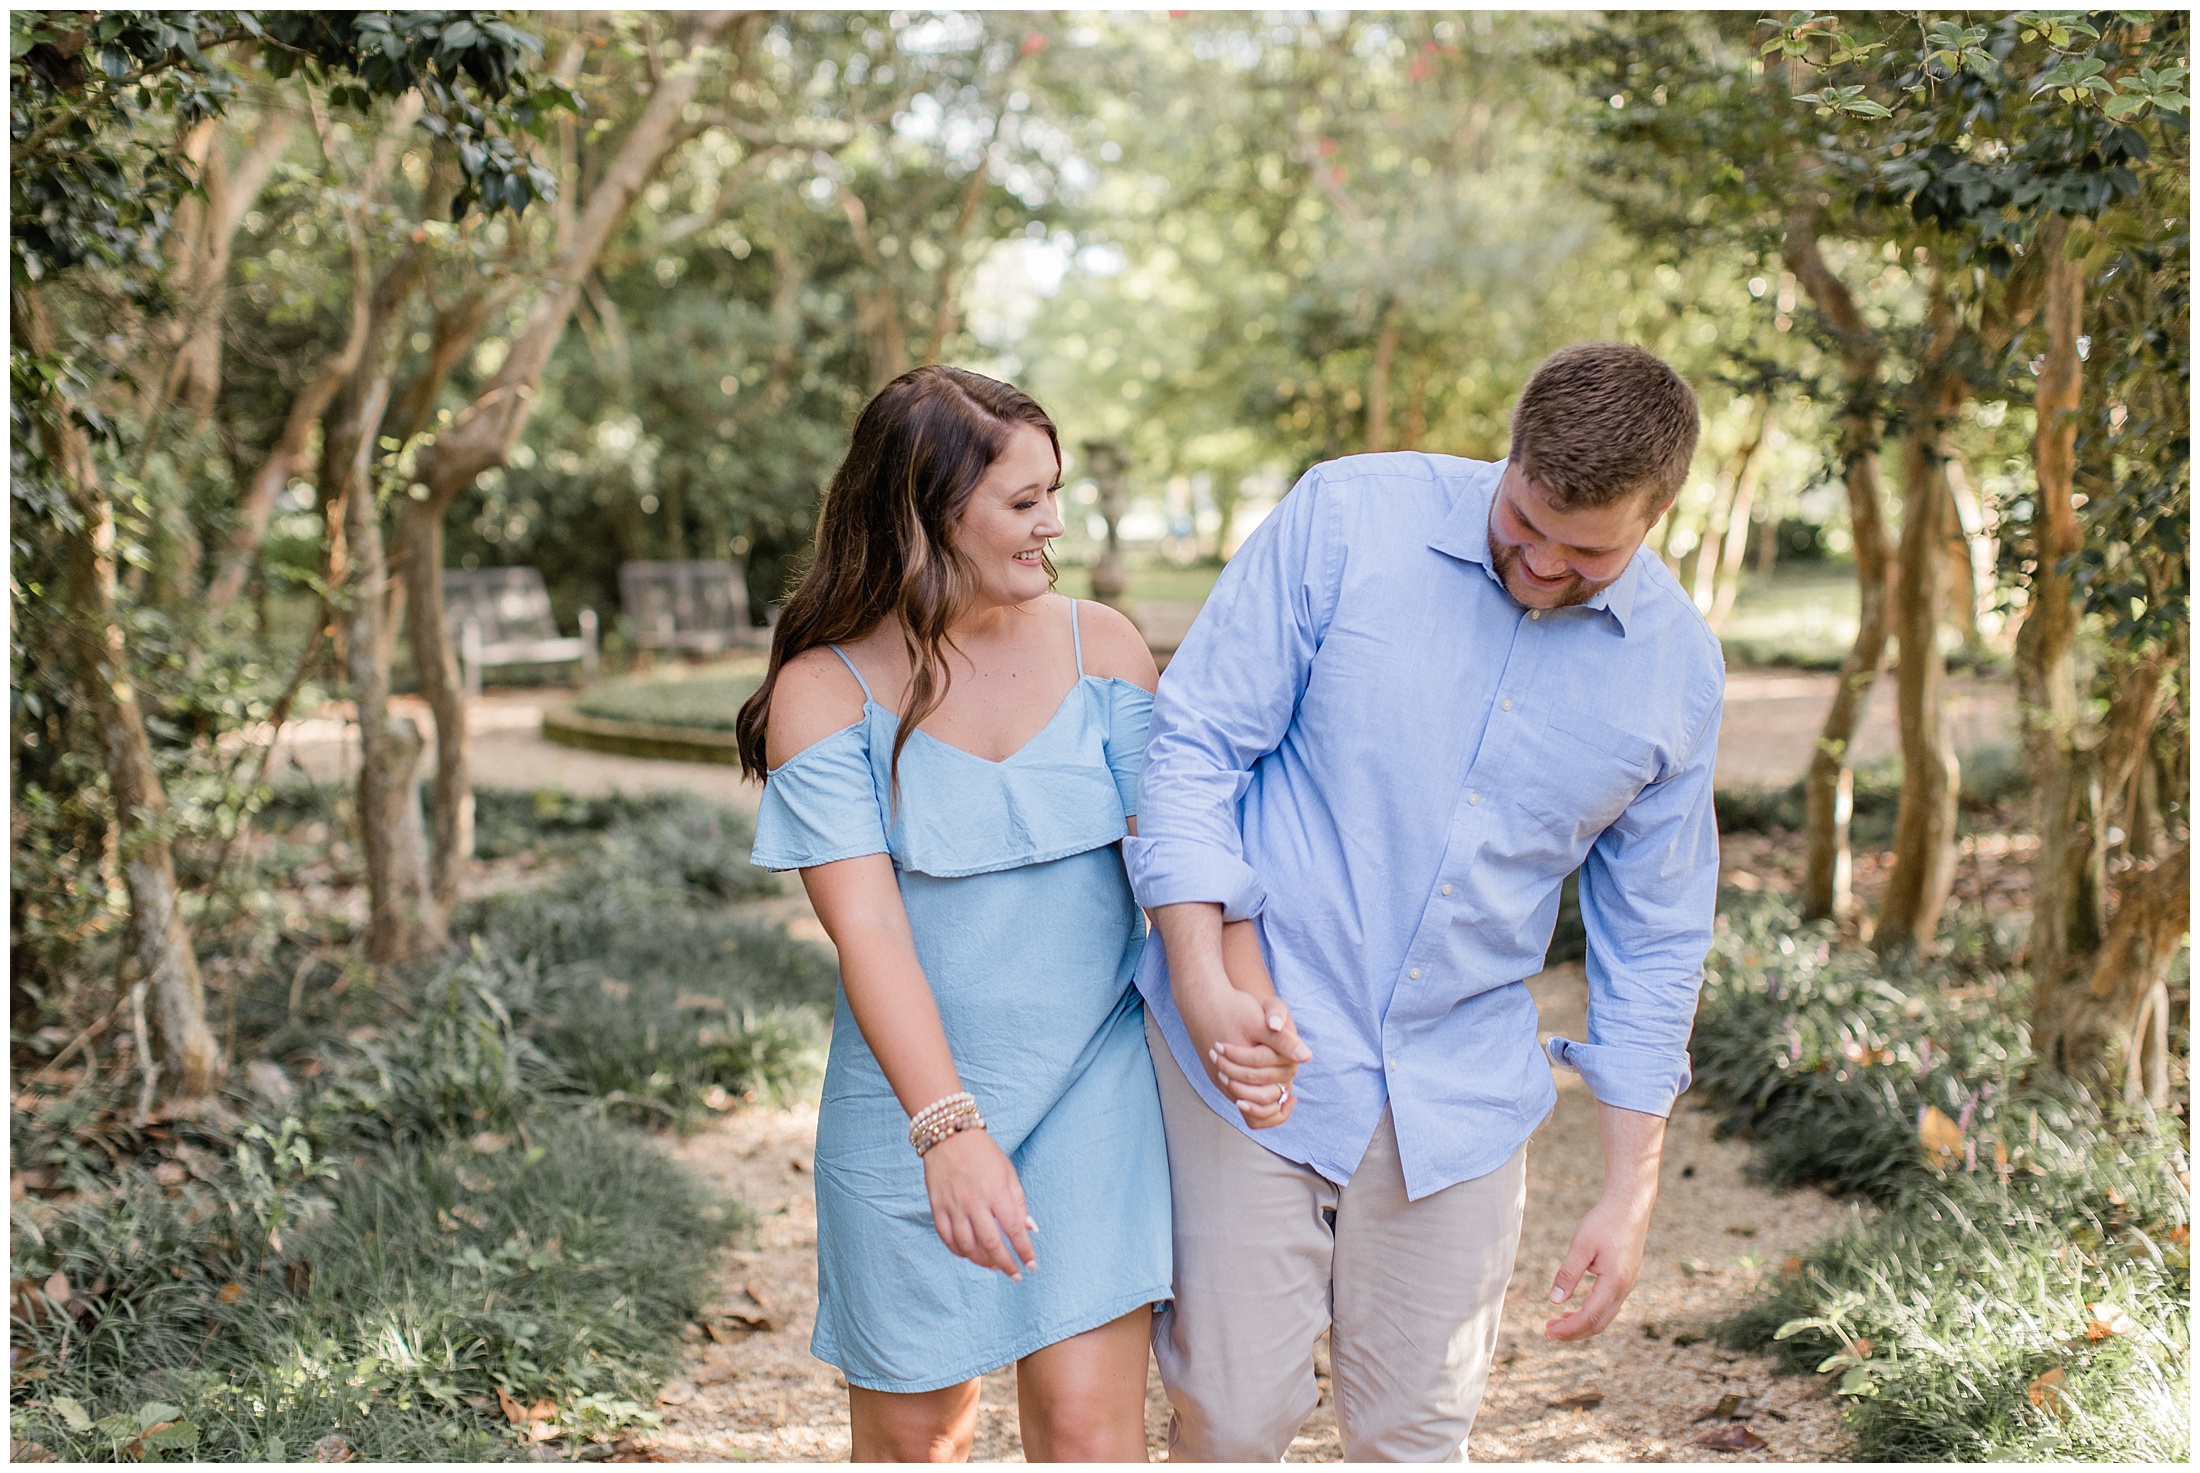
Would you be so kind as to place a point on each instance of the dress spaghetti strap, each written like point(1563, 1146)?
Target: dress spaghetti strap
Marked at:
point(852, 670)
point(1076, 640)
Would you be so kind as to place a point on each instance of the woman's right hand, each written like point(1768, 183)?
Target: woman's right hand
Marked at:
point(977, 1202)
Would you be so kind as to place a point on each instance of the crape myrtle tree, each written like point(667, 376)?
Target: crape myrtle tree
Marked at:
point(118, 212)
point(2033, 168)
point(819, 235)
point(1324, 234)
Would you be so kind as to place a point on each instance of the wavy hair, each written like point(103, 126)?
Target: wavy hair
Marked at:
point(885, 535)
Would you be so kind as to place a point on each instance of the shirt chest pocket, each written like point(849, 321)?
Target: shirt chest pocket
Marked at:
point(1588, 771)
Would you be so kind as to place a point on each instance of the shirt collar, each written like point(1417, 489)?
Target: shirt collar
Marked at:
point(1465, 534)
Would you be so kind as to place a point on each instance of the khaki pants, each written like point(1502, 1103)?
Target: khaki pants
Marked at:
point(1269, 1254)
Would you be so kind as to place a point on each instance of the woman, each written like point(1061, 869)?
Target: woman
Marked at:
point(952, 755)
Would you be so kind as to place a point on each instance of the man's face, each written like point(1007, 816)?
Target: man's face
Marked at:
point(1550, 559)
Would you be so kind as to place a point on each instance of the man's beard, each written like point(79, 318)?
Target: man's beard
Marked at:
point(1577, 589)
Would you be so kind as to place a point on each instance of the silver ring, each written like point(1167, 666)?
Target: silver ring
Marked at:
point(1283, 1092)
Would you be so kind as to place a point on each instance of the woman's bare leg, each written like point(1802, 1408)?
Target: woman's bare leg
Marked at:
point(913, 1426)
point(1083, 1400)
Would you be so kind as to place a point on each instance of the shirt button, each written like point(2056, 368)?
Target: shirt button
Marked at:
point(1473, 798)
point(1535, 613)
point(1447, 889)
point(1508, 705)
point(1415, 974)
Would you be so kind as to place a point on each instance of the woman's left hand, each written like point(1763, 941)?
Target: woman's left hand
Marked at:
point(1258, 1080)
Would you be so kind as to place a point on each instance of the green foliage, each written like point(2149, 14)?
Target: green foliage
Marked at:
point(432, 1208)
point(2022, 1291)
point(431, 1276)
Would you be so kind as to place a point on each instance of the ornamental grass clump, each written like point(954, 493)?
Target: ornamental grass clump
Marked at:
point(2022, 1290)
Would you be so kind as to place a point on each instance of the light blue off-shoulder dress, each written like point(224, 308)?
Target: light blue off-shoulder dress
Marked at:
point(1028, 934)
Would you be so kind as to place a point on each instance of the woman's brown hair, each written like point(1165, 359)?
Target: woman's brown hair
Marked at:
point(885, 535)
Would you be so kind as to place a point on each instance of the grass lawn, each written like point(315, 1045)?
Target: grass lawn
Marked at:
point(1803, 616)
point(708, 696)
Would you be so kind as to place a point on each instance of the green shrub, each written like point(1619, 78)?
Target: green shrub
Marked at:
point(417, 1285)
point(709, 700)
point(2021, 1232)
point(1991, 776)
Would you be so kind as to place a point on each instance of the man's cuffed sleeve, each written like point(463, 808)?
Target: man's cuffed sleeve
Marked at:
point(1649, 890)
point(1225, 702)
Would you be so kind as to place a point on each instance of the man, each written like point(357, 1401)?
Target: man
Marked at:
point(1426, 691)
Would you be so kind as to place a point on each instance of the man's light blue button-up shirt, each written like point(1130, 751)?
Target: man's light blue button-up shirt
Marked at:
point(1367, 743)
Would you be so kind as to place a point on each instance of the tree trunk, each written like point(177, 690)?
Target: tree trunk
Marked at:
point(160, 953)
point(289, 455)
point(2069, 872)
point(482, 436)
point(1830, 783)
point(207, 229)
point(403, 923)
point(1924, 839)
point(1727, 585)
point(2109, 1023)
point(1378, 382)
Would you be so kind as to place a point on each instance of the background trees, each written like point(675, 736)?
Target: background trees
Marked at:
point(292, 298)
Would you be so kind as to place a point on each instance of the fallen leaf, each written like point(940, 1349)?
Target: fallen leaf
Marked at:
point(298, 1277)
point(1939, 1135)
point(332, 1449)
point(1731, 1407)
point(544, 1410)
point(545, 1431)
point(171, 1174)
point(2109, 1320)
point(717, 1367)
point(1791, 1265)
point(57, 1288)
point(2180, 1234)
point(1860, 1347)
point(470, 1215)
point(1699, 1268)
point(2046, 1392)
point(488, 1143)
point(230, 1293)
point(676, 1394)
point(475, 1181)
point(515, 1411)
point(1580, 1401)
point(1735, 1437)
point(1742, 1230)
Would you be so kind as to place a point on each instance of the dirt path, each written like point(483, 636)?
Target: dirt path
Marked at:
point(752, 1392)
point(760, 1396)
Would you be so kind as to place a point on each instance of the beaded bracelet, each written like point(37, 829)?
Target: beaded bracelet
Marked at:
point(943, 1118)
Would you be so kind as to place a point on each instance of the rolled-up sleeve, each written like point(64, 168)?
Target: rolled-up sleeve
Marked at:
point(1648, 893)
point(1226, 701)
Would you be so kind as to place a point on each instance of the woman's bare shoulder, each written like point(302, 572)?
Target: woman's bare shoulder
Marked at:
point(1114, 649)
point(814, 697)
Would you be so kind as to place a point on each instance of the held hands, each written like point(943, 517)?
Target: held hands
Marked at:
point(977, 1202)
point(1250, 1047)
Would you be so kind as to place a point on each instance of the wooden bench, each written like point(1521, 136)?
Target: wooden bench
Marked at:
point(503, 617)
point(701, 606)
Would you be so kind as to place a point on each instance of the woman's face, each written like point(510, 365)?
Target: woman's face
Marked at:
point(1012, 514)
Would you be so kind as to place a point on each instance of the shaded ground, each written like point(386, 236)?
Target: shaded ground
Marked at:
point(760, 1396)
point(752, 1392)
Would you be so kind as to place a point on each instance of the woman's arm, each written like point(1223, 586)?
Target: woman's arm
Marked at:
point(976, 1199)
point(1248, 1076)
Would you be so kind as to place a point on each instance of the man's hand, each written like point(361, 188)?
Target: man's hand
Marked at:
point(1246, 1040)
point(1250, 1048)
point(1607, 1247)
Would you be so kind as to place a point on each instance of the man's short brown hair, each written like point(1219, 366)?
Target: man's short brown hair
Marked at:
point(1599, 423)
